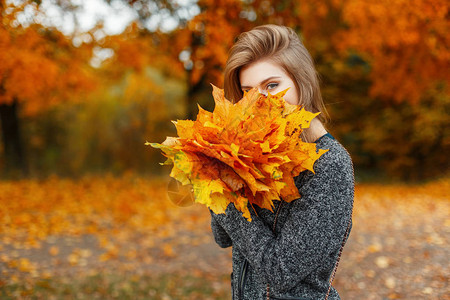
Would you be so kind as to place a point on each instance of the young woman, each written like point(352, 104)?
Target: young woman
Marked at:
point(290, 253)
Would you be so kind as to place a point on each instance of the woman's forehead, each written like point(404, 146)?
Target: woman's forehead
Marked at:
point(257, 72)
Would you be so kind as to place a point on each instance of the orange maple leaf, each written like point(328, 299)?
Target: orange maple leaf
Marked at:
point(246, 152)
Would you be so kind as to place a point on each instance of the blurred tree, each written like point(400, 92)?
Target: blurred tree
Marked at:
point(137, 48)
point(405, 42)
point(38, 68)
point(196, 49)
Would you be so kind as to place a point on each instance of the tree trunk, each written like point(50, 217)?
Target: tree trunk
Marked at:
point(193, 89)
point(192, 109)
point(12, 147)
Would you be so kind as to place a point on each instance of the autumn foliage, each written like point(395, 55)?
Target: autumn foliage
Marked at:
point(113, 210)
point(404, 42)
point(39, 66)
point(241, 153)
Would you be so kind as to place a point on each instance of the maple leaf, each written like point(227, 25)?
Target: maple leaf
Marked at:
point(243, 153)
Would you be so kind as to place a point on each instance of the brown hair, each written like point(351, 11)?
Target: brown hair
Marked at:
point(283, 46)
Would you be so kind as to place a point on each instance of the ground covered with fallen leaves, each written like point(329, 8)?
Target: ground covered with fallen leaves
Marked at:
point(122, 238)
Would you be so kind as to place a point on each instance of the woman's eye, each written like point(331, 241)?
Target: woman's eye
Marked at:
point(272, 86)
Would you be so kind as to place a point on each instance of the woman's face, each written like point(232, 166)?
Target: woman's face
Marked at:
point(268, 77)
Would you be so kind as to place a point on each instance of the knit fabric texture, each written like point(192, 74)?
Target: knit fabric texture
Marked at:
point(297, 259)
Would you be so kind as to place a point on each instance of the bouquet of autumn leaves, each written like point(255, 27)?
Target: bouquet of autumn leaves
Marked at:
point(243, 153)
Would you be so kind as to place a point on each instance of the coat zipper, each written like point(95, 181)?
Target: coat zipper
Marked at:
point(242, 279)
point(243, 273)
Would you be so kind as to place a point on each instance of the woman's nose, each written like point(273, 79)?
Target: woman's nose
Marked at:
point(262, 91)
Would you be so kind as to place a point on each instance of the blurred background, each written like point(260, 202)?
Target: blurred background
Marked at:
point(84, 84)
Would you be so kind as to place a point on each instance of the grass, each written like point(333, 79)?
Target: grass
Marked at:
point(122, 286)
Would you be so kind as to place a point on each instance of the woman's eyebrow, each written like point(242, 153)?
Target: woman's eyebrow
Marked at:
point(262, 82)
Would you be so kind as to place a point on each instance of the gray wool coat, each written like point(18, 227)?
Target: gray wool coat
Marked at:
point(298, 258)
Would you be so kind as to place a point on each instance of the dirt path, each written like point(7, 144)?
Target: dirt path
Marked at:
point(398, 249)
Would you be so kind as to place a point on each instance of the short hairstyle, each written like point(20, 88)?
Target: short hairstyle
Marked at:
point(283, 46)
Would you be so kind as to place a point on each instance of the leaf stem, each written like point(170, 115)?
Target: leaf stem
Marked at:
point(253, 208)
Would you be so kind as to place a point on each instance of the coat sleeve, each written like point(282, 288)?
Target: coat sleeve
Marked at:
point(220, 235)
point(314, 230)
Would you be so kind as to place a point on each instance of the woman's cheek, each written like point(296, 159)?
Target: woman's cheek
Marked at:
point(290, 97)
